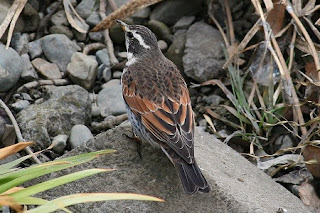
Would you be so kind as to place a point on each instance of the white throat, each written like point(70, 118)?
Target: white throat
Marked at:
point(131, 59)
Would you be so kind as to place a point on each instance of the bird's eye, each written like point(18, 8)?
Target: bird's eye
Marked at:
point(130, 35)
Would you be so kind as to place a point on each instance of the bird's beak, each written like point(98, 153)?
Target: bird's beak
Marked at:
point(123, 25)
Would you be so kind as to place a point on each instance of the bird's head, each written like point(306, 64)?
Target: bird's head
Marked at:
point(139, 40)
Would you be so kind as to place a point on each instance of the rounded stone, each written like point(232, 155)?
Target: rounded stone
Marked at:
point(79, 134)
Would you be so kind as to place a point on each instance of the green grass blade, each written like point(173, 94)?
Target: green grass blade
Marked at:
point(32, 201)
point(32, 190)
point(88, 197)
point(18, 177)
point(5, 168)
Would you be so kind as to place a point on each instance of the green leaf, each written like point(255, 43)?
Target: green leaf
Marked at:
point(88, 197)
point(16, 178)
point(40, 187)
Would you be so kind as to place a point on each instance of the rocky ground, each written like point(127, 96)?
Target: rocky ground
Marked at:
point(68, 97)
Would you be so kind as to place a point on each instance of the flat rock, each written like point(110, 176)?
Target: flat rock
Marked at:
point(58, 49)
point(11, 67)
point(63, 107)
point(48, 70)
point(110, 99)
point(204, 57)
point(236, 184)
point(82, 70)
point(28, 73)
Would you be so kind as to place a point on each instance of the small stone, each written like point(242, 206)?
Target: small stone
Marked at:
point(58, 49)
point(122, 54)
point(95, 110)
point(104, 72)
point(110, 99)
point(20, 43)
point(80, 36)
point(48, 70)
point(103, 57)
point(93, 19)
point(162, 45)
point(59, 18)
point(161, 30)
point(284, 142)
point(26, 96)
point(20, 105)
point(60, 29)
point(85, 8)
point(183, 23)
point(59, 143)
point(11, 67)
point(28, 73)
point(82, 70)
point(96, 36)
point(117, 34)
point(79, 134)
point(35, 49)
point(214, 100)
point(117, 74)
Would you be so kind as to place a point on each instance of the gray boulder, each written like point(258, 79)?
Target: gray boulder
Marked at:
point(203, 55)
point(58, 49)
point(236, 185)
point(63, 108)
point(11, 67)
point(82, 70)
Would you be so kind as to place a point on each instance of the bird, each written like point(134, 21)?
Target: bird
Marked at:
point(158, 104)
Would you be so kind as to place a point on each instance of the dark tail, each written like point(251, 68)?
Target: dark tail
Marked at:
point(191, 177)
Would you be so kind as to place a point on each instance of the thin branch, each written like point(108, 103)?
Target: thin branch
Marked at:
point(107, 39)
point(17, 130)
point(230, 23)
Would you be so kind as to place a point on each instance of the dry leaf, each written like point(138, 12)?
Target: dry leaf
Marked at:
point(312, 153)
point(275, 18)
point(5, 152)
point(309, 197)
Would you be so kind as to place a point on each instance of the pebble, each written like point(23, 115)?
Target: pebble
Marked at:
point(11, 67)
point(59, 18)
point(104, 72)
point(20, 43)
point(48, 70)
point(20, 105)
point(96, 36)
point(162, 45)
point(103, 57)
point(79, 134)
point(183, 23)
point(28, 73)
point(82, 70)
point(35, 49)
point(59, 143)
point(161, 30)
point(93, 19)
point(110, 99)
point(85, 7)
point(117, 74)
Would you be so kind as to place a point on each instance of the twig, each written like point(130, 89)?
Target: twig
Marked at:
point(92, 46)
point(110, 123)
point(17, 130)
point(291, 46)
point(107, 39)
point(230, 23)
point(305, 34)
point(44, 21)
point(22, 3)
point(123, 12)
point(243, 43)
point(224, 36)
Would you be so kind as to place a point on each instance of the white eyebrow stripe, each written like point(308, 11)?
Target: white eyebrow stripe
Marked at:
point(141, 41)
